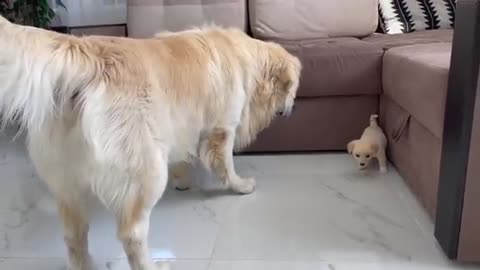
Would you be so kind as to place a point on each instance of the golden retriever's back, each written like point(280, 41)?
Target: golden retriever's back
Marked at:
point(187, 60)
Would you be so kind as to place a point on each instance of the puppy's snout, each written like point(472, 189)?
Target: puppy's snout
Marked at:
point(362, 164)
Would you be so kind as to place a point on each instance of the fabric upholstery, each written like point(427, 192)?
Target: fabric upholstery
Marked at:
point(469, 245)
point(414, 150)
point(306, 19)
point(338, 67)
point(416, 77)
point(147, 17)
point(326, 123)
point(420, 37)
point(404, 16)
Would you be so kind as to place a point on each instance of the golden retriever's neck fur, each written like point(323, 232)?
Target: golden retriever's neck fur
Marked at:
point(278, 82)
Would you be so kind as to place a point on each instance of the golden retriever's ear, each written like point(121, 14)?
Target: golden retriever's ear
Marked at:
point(286, 83)
point(264, 88)
point(290, 72)
point(375, 148)
point(351, 146)
point(283, 68)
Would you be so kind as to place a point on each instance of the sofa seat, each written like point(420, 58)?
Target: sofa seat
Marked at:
point(420, 37)
point(416, 78)
point(331, 67)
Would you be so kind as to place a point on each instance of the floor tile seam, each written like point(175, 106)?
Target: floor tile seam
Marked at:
point(407, 208)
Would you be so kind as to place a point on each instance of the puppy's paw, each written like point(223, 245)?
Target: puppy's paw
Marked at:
point(383, 169)
point(243, 185)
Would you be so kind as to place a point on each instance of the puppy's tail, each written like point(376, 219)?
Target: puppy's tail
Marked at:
point(39, 73)
point(373, 120)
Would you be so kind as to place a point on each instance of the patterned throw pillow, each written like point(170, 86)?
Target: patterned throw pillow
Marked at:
point(404, 16)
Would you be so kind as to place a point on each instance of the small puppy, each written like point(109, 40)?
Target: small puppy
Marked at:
point(372, 144)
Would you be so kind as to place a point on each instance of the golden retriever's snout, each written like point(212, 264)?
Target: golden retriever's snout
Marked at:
point(286, 112)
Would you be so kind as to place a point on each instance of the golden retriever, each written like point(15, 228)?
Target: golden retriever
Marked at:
point(105, 116)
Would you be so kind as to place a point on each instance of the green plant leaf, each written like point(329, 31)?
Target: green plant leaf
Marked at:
point(31, 12)
point(60, 4)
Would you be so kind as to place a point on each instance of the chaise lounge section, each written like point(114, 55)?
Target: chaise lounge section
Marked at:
point(415, 82)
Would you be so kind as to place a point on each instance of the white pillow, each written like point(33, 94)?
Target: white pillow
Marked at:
point(404, 16)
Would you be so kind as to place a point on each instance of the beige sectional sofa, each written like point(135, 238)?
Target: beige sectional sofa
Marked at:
point(350, 72)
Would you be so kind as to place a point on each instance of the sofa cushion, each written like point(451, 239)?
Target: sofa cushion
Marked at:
point(405, 16)
point(147, 17)
point(303, 19)
point(416, 78)
point(420, 37)
point(338, 67)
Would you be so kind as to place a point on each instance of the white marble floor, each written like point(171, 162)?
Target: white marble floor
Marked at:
point(309, 212)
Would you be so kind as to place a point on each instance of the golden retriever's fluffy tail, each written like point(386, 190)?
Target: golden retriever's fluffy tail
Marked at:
point(3, 20)
point(373, 120)
point(39, 73)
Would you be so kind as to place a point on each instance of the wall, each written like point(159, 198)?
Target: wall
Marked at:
point(90, 12)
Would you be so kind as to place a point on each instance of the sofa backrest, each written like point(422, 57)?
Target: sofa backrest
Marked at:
point(309, 19)
point(147, 17)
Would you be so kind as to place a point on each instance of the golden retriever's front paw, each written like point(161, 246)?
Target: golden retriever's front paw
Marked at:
point(86, 264)
point(162, 266)
point(383, 169)
point(243, 185)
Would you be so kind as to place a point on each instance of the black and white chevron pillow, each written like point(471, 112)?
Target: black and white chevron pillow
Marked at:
point(404, 16)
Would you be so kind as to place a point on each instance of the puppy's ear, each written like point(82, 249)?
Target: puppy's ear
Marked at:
point(375, 148)
point(351, 146)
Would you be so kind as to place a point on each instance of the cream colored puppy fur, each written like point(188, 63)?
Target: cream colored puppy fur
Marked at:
point(105, 116)
point(372, 144)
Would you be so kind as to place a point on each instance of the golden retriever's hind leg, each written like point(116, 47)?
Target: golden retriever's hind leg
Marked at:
point(180, 176)
point(133, 216)
point(216, 152)
point(74, 216)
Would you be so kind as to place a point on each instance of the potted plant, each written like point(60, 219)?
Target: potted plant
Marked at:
point(36, 13)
